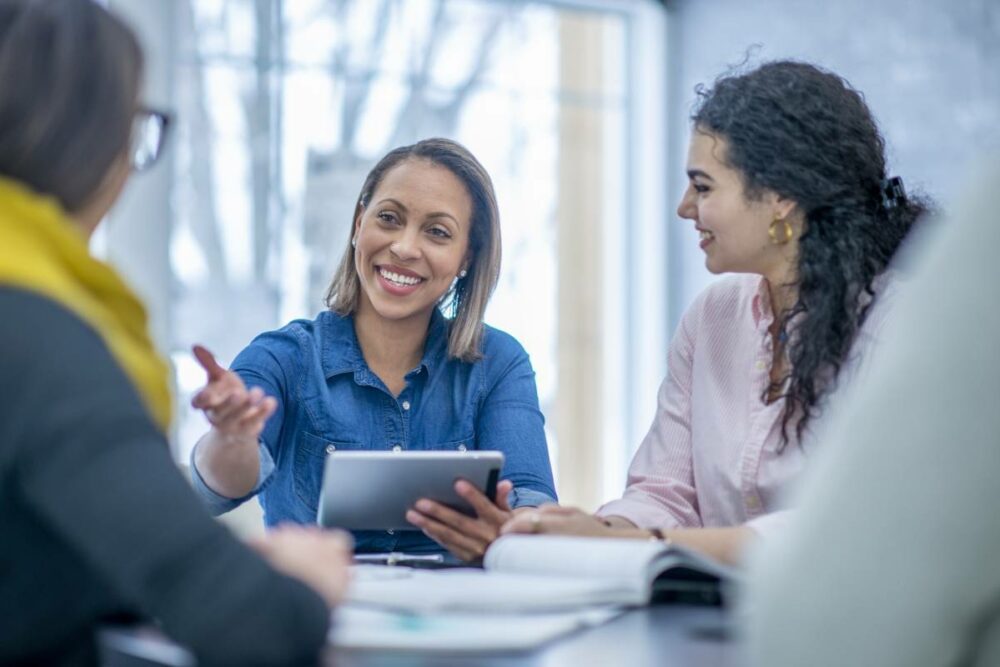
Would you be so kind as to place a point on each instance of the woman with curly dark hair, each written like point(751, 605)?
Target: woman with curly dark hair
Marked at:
point(787, 188)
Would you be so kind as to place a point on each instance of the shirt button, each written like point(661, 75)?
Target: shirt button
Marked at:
point(761, 365)
point(462, 447)
point(397, 448)
point(330, 449)
point(406, 405)
point(753, 503)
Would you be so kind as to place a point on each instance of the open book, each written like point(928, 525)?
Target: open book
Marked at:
point(644, 570)
point(543, 573)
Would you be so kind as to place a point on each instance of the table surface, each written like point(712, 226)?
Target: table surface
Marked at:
point(658, 635)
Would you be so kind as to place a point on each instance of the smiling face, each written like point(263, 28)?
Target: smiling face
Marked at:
point(412, 240)
point(733, 229)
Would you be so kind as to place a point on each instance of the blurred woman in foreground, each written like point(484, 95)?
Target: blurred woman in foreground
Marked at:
point(97, 522)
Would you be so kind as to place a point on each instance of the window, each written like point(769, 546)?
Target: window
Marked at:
point(283, 107)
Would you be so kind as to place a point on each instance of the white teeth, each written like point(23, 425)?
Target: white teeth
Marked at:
point(398, 279)
point(705, 234)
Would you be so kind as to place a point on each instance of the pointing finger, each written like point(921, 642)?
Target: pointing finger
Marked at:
point(208, 362)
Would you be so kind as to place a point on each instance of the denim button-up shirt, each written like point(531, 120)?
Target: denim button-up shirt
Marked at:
point(329, 399)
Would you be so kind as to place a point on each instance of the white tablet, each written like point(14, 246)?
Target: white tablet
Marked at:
point(373, 490)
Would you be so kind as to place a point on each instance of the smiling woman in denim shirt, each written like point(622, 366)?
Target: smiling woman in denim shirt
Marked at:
point(383, 368)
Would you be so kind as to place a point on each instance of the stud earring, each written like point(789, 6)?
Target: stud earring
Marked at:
point(354, 243)
point(463, 273)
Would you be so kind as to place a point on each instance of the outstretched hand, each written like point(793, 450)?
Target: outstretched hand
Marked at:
point(230, 407)
point(464, 536)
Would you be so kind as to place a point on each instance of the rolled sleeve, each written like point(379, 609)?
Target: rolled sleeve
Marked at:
point(522, 497)
point(218, 504)
point(648, 514)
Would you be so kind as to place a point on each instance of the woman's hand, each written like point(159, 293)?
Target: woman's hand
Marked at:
point(724, 544)
point(556, 520)
point(464, 536)
point(316, 557)
point(232, 410)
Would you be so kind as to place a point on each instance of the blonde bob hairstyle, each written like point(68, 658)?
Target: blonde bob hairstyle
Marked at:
point(465, 303)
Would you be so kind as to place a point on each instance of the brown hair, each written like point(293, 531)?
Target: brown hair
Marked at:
point(468, 298)
point(71, 72)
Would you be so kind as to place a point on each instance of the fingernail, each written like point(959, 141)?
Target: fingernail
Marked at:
point(423, 505)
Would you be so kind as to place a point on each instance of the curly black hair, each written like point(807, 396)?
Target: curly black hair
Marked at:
point(804, 133)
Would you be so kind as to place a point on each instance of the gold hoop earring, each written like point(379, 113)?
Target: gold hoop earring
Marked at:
point(772, 231)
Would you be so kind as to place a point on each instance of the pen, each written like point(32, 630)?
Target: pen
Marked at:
point(395, 557)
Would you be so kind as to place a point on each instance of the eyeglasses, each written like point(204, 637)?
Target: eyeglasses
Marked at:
point(149, 136)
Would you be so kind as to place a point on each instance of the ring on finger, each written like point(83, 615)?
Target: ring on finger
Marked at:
point(536, 522)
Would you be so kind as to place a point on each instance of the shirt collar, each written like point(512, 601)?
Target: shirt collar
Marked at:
point(436, 347)
point(760, 305)
point(341, 352)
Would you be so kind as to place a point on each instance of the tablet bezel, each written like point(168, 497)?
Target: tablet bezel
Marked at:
point(372, 490)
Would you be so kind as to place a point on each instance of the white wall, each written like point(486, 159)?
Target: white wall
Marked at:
point(929, 70)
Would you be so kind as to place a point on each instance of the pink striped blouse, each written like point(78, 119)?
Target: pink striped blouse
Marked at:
point(711, 456)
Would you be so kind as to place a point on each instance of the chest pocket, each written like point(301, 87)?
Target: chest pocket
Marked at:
point(310, 459)
point(467, 443)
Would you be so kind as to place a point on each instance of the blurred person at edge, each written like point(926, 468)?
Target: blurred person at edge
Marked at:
point(891, 558)
point(97, 522)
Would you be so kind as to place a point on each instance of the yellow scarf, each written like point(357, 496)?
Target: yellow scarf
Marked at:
point(43, 251)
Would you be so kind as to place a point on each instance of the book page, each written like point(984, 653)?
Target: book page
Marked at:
point(365, 628)
point(432, 591)
point(627, 561)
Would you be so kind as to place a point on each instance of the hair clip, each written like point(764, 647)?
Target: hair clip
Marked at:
point(893, 192)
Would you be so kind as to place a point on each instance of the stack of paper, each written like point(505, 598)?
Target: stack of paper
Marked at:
point(533, 588)
point(423, 591)
point(366, 628)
